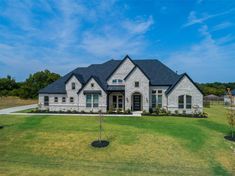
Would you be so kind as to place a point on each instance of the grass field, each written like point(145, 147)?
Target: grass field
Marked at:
point(7, 102)
point(52, 145)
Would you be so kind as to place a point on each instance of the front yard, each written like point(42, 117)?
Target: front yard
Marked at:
point(56, 145)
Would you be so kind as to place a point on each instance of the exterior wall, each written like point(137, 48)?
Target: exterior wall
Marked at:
point(102, 98)
point(143, 89)
point(72, 93)
point(228, 101)
point(164, 98)
point(57, 106)
point(185, 87)
point(122, 71)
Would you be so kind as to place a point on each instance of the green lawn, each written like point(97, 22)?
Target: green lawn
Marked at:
point(56, 145)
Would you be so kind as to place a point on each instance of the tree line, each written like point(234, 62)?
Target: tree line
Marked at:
point(216, 88)
point(30, 87)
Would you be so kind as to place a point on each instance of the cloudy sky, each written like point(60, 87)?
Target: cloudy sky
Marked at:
point(197, 37)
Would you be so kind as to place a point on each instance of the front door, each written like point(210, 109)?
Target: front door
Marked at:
point(136, 102)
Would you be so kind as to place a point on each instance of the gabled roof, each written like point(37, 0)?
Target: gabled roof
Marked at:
point(177, 81)
point(120, 63)
point(96, 79)
point(136, 66)
point(157, 73)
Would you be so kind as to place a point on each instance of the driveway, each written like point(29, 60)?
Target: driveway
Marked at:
point(18, 108)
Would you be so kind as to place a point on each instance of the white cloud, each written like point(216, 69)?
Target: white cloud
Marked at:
point(138, 26)
point(222, 25)
point(205, 59)
point(194, 19)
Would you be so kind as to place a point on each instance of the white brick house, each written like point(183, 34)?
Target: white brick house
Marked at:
point(125, 84)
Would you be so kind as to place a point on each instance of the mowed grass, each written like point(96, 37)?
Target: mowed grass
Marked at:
point(7, 102)
point(60, 145)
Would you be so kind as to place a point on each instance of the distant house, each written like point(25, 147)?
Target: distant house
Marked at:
point(227, 99)
point(213, 97)
point(125, 84)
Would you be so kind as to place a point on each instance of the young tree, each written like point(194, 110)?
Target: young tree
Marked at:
point(231, 113)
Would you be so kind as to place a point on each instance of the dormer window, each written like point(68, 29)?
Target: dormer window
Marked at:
point(119, 81)
point(73, 86)
point(115, 81)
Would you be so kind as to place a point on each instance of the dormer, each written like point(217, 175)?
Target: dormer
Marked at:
point(72, 85)
point(121, 71)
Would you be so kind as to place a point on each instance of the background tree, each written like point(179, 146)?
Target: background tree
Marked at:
point(35, 82)
point(6, 85)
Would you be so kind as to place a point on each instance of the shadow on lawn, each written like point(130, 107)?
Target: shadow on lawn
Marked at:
point(31, 122)
point(221, 128)
point(192, 134)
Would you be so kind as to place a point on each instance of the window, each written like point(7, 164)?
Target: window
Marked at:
point(137, 84)
point(119, 81)
point(181, 102)
point(73, 86)
point(92, 100)
point(71, 99)
point(114, 81)
point(46, 101)
point(55, 99)
point(153, 91)
point(95, 100)
point(159, 91)
point(88, 100)
point(63, 99)
point(188, 102)
point(92, 84)
point(159, 101)
point(154, 101)
point(114, 102)
point(120, 102)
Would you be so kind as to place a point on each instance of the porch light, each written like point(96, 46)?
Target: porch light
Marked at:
point(127, 99)
point(147, 100)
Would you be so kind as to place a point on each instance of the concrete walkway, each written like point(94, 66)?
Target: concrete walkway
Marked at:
point(13, 111)
point(18, 108)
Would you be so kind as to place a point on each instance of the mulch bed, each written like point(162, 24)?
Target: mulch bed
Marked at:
point(100, 144)
point(229, 138)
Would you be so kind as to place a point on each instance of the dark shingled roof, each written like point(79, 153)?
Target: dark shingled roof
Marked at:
point(157, 72)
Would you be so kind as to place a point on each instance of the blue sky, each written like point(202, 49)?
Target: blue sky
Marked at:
point(197, 37)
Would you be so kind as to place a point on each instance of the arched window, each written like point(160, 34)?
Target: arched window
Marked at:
point(181, 102)
point(73, 85)
point(188, 102)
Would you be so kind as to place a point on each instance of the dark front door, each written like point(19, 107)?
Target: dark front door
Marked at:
point(136, 102)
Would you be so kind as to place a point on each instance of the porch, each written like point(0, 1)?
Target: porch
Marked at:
point(116, 100)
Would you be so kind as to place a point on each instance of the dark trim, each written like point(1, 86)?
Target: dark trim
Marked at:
point(51, 93)
point(126, 57)
point(180, 78)
point(97, 81)
point(136, 66)
point(92, 92)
